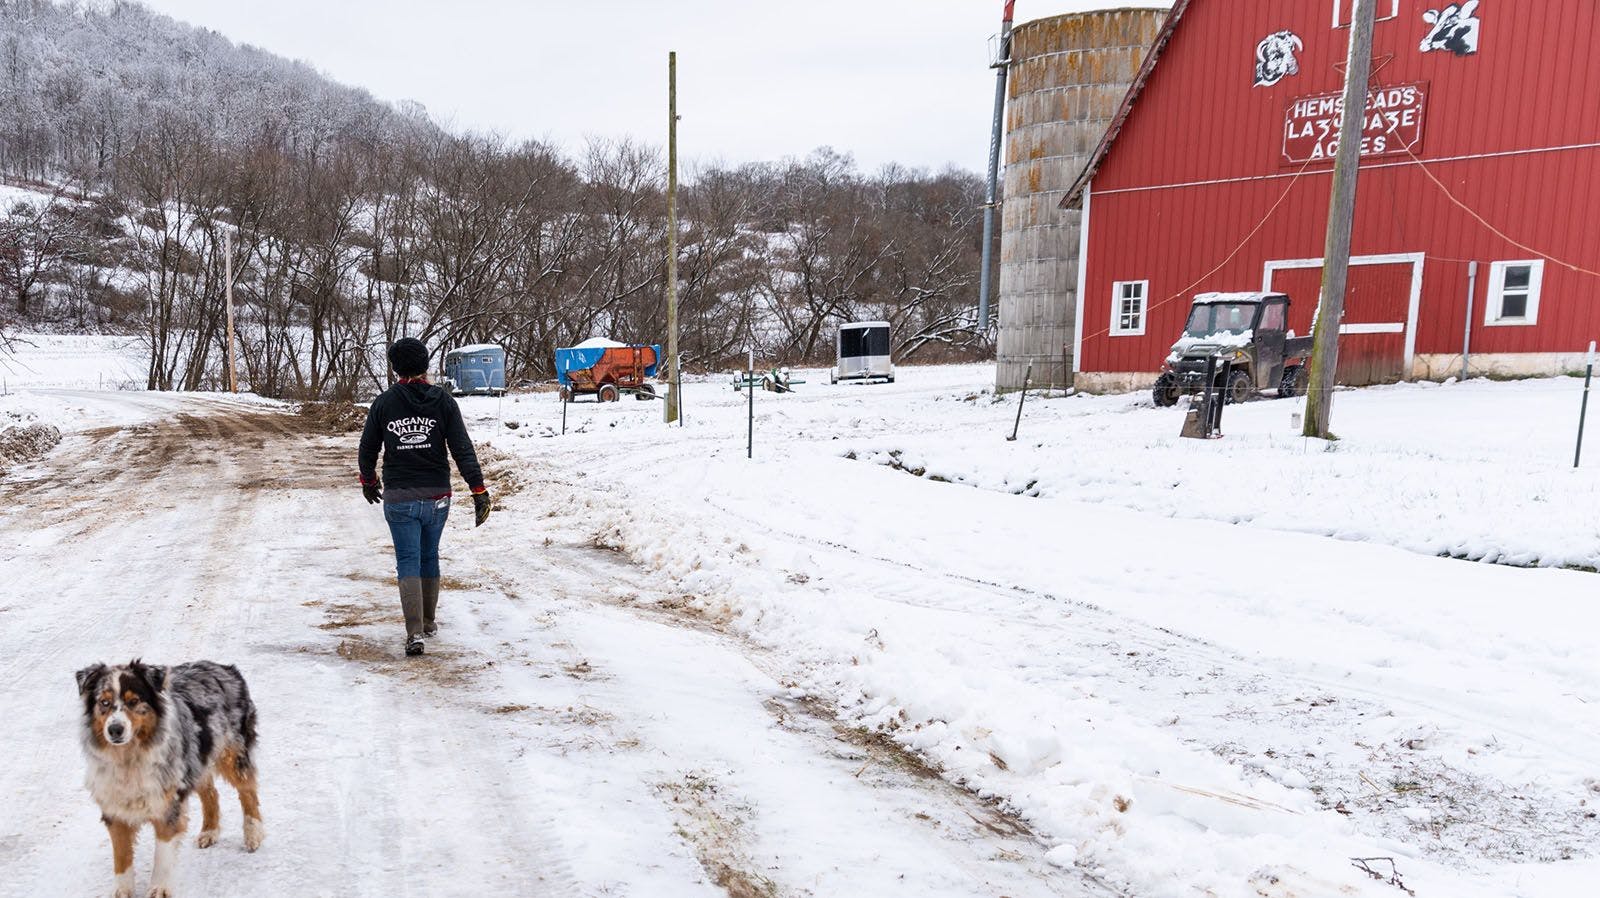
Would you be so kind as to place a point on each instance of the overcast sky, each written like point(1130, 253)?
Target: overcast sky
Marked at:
point(884, 80)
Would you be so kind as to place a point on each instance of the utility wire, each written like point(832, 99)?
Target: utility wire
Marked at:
point(1496, 231)
point(1220, 265)
point(1285, 196)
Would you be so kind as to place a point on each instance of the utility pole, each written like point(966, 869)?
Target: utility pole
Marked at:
point(1001, 66)
point(674, 381)
point(227, 288)
point(1341, 219)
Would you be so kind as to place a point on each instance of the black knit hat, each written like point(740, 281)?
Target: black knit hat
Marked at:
point(408, 357)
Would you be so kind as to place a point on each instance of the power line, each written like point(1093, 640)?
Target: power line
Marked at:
point(1487, 224)
point(1225, 262)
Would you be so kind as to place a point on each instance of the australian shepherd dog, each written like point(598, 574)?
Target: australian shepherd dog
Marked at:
point(155, 734)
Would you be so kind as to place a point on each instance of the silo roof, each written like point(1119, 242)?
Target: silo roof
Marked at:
point(1075, 193)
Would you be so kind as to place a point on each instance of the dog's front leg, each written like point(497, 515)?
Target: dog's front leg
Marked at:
point(169, 831)
point(121, 855)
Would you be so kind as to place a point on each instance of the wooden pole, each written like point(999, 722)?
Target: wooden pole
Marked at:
point(1341, 219)
point(227, 281)
point(671, 407)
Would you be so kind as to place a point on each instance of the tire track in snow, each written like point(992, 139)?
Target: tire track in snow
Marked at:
point(963, 818)
point(1178, 658)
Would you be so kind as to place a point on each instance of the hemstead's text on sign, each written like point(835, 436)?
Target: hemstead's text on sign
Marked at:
point(1393, 124)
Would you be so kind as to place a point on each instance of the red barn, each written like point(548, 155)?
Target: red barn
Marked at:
point(1482, 145)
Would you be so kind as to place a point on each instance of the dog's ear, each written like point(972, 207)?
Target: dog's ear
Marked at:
point(152, 674)
point(89, 676)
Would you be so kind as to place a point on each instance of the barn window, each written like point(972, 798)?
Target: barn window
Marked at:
point(1514, 289)
point(1343, 10)
point(1127, 308)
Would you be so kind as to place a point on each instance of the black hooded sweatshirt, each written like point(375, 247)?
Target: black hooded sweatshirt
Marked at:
point(416, 423)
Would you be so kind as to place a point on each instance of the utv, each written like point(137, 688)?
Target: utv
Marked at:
point(1247, 329)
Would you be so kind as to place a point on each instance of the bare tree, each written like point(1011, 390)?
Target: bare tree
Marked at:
point(353, 223)
point(36, 243)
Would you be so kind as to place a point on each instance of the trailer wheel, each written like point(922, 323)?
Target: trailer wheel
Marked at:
point(564, 394)
point(1293, 383)
point(1240, 386)
point(608, 393)
point(1166, 391)
point(645, 393)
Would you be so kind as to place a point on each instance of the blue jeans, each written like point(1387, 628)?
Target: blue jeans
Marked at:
point(416, 528)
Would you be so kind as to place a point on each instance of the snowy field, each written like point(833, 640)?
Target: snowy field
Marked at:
point(71, 361)
point(893, 654)
point(1190, 666)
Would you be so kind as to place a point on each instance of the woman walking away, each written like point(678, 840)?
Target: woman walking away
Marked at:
point(415, 423)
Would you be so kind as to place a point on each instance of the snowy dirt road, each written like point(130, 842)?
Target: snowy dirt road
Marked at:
point(561, 737)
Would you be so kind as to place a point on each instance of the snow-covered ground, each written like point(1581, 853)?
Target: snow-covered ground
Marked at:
point(558, 739)
point(1176, 703)
point(73, 361)
point(894, 654)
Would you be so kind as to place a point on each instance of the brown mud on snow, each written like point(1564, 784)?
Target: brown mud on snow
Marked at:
point(440, 665)
point(331, 417)
point(22, 443)
point(712, 824)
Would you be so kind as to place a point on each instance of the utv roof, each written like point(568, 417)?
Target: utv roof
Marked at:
point(1208, 298)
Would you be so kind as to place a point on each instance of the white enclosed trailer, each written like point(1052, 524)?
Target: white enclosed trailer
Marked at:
point(864, 352)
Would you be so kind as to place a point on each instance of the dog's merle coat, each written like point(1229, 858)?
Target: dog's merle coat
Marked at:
point(153, 735)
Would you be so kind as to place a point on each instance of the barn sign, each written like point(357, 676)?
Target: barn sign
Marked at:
point(1393, 125)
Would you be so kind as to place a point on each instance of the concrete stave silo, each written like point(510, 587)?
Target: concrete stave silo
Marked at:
point(1068, 76)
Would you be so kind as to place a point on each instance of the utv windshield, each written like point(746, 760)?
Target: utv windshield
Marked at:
point(1215, 319)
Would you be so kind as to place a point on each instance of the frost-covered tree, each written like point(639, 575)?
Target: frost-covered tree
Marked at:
point(81, 83)
point(354, 222)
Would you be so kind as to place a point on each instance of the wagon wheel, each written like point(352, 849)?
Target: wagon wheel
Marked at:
point(564, 394)
point(645, 393)
point(608, 393)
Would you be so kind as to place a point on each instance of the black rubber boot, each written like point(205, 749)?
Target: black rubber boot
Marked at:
point(411, 605)
point(430, 604)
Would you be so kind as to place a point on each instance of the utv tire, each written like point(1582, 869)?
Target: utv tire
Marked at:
point(1293, 383)
point(1166, 392)
point(1240, 387)
point(608, 393)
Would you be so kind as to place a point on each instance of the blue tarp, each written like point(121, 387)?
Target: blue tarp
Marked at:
point(584, 358)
